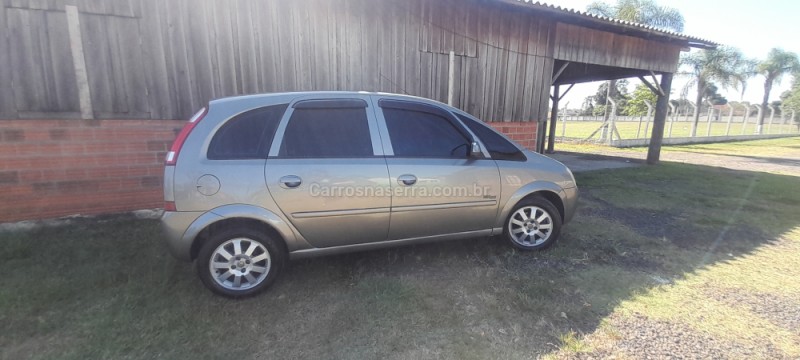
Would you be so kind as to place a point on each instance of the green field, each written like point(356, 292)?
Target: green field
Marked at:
point(628, 129)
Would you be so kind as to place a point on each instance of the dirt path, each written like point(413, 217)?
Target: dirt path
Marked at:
point(787, 161)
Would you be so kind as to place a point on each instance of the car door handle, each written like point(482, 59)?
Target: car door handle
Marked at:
point(407, 179)
point(291, 181)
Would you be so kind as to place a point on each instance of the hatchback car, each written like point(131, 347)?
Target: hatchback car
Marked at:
point(253, 181)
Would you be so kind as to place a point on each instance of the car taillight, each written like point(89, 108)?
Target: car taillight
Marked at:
point(172, 155)
point(170, 206)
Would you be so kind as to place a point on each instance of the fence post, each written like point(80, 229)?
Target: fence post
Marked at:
point(612, 117)
point(710, 116)
point(694, 109)
point(758, 126)
point(730, 119)
point(649, 115)
point(771, 117)
point(639, 128)
point(564, 122)
point(672, 119)
point(746, 117)
point(783, 120)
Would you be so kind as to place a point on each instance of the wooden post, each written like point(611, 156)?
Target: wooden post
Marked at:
point(553, 118)
point(654, 150)
point(79, 62)
point(451, 79)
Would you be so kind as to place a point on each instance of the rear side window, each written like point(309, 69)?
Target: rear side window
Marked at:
point(423, 134)
point(248, 135)
point(327, 133)
point(499, 148)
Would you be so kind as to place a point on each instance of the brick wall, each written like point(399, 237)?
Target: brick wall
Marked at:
point(524, 133)
point(52, 168)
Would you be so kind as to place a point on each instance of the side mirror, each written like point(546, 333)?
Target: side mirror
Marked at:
point(475, 150)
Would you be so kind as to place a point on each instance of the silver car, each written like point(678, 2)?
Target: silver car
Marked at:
point(253, 181)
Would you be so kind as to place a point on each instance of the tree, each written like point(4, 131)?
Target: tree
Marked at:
point(646, 12)
point(636, 106)
point(725, 66)
point(619, 94)
point(713, 96)
point(791, 98)
point(777, 64)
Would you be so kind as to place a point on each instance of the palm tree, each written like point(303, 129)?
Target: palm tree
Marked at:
point(724, 66)
point(646, 12)
point(777, 64)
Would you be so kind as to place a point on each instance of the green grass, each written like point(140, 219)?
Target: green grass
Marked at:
point(106, 288)
point(629, 129)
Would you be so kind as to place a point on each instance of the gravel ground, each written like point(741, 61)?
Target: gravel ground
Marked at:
point(644, 338)
point(779, 310)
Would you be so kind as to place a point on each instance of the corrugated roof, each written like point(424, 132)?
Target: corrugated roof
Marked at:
point(582, 15)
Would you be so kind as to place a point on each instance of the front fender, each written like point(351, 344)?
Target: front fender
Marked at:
point(525, 190)
point(242, 211)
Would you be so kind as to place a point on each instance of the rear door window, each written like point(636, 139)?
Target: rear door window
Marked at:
point(320, 132)
point(248, 135)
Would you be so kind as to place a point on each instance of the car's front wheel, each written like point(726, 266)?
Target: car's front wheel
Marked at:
point(239, 262)
point(533, 224)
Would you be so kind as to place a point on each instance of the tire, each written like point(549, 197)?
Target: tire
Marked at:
point(533, 232)
point(251, 266)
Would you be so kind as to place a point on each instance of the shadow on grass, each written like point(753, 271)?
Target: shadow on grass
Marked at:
point(107, 287)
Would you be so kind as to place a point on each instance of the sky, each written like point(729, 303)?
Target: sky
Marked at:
point(754, 27)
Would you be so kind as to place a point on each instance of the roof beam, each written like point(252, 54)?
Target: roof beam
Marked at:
point(656, 90)
point(558, 73)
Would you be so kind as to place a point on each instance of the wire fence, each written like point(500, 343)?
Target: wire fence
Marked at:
point(592, 128)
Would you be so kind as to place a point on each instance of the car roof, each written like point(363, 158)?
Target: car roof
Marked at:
point(278, 95)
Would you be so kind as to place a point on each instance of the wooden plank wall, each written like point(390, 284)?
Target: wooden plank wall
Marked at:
point(580, 44)
point(165, 59)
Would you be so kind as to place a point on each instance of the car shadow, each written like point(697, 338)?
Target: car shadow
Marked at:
point(481, 293)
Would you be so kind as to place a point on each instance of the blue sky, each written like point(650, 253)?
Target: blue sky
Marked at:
point(752, 26)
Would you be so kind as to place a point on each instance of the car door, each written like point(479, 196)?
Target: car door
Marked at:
point(438, 186)
point(327, 173)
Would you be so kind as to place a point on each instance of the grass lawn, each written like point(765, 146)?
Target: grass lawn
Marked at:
point(702, 257)
point(629, 129)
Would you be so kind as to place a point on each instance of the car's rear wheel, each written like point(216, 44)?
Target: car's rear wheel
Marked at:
point(533, 224)
point(239, 262)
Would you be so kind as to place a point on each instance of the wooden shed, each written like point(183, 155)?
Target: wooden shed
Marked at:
point(92, 92)
point(155, 59)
